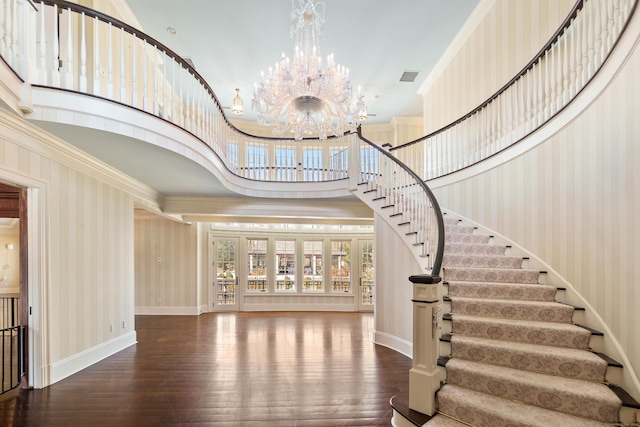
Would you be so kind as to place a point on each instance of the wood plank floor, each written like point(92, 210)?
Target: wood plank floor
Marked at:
point(230, 369)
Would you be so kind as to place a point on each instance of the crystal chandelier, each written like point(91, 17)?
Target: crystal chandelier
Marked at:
point(308, 95)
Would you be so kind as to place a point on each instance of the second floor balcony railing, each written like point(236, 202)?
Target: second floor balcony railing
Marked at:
point(541, 90)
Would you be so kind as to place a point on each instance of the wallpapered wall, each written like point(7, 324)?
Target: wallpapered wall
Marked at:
point(573, 202)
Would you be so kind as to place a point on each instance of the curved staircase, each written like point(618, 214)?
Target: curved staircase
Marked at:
point(513, 354)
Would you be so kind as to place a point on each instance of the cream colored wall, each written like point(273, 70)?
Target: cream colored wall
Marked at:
point(393, 308)
point(483, 58)
point(166, 266)
point(573, 201)
point(81, 281)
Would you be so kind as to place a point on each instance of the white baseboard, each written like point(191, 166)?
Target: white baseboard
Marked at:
point(398, 344)
point(169, 311)
point(69, 366)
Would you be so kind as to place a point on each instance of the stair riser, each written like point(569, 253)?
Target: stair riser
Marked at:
point(512, 310)
point(533, 292)
point(481, 261)
point(457, 274)
point(479, 249)
point(571, 338)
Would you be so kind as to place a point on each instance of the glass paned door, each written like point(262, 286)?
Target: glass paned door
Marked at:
point(225, 282)
point(367, 275)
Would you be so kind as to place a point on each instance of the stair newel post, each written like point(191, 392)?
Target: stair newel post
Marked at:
point(424, 376)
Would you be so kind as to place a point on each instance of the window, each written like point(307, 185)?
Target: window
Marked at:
point(285, 164)
point(285, 265)
point(366, 272)
point(312, 266)
point(312, 163)
point(256, 162)
point(225, 272)
point(257, 265)
point(341, 266)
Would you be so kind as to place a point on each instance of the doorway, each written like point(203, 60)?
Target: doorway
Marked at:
point(13, 271)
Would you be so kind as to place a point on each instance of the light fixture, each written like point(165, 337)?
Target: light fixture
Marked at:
point(237, 106)
point(307, 95)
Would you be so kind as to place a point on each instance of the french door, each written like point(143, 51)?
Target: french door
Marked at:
point(223, 290)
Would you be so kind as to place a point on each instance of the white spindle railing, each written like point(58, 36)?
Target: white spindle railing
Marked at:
point(547, 85)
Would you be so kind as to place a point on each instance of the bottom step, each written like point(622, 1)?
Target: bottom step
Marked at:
point(444, 421)
point(482, 410)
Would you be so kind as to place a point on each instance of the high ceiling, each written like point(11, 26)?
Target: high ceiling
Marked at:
point(230, 42)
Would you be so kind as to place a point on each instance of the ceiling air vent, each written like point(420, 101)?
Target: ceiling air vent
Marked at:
point(409, 76)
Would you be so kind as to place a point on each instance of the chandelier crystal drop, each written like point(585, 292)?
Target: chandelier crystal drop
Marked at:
point(308, 95)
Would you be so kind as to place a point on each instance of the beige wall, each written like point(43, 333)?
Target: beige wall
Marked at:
point(573, 202)
point(166, 266)
point(489, 51)
point(80, 253)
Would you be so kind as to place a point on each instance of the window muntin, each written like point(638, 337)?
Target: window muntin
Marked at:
point(341, 266)
point(286, 265)
point(312, 269)
point(257, 265)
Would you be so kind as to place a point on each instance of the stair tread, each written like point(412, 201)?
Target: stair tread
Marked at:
point(574, 359)
point(598, 401)
point(517, 413)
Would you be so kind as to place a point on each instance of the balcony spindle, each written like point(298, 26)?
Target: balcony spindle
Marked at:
point(42, 46)
point(96, 56)
point(134, 73)
point(123, 84)
point(83, 55)
point(55, 61)
point(7, 53)
point(68, 64)
point(110, 62)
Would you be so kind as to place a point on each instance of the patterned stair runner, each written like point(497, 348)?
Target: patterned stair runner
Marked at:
point(516, 358)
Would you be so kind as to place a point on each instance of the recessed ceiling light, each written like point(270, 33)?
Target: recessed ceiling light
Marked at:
point(171, 30)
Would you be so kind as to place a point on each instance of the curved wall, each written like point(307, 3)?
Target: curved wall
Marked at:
point(573, 201)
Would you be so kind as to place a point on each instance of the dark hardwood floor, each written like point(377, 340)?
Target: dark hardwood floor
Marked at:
point(229, 369)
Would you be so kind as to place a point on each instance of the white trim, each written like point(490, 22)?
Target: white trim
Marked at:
point(395, 343)
point(300, 307)
point(458, 41)
point(168, 311)
point(69, 366)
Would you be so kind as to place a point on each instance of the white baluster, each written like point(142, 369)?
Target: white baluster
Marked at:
point(164, 84)
point(173, 91)
point(156, 110)
point(68, 64)
point(181, 111)
point(134, 79)
point(110, 63)
point(568, 68)
point(55, 62)
point(42, 51)
point(3, 16)
point(83, 56)
point(123, 83)
point(145, 90)
point(96, 56)
point(7, 43)
point(14, 35)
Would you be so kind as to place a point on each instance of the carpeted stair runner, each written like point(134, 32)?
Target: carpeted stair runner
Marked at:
point(516, 358)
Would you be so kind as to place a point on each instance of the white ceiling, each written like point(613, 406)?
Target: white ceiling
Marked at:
point(230, 42)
